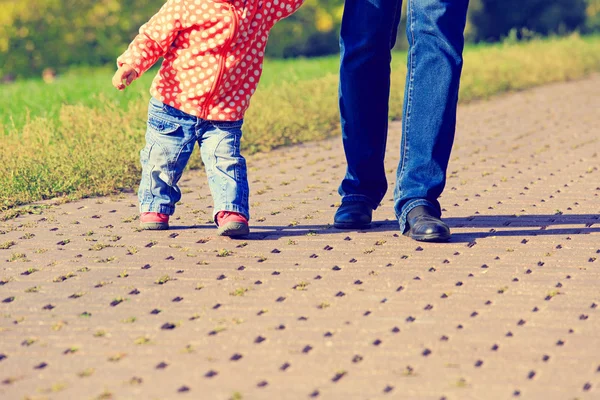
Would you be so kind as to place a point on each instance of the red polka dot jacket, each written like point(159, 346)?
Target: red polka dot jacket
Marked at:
point(213, 52)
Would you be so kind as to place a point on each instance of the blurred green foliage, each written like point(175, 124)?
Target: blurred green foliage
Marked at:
point(36, 34)
point(39, 34)
point(593, 16)
point(495, 19)
point(311, 31)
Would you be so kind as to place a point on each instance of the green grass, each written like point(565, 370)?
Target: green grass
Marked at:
point(80, 137)
point(23, 101)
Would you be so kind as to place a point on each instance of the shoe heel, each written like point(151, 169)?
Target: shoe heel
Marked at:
point(233, 229)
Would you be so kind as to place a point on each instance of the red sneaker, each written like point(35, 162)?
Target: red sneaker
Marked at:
point(154, 221)
point(232, 224)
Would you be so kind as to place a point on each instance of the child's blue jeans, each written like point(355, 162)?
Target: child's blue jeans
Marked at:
point(170, 139)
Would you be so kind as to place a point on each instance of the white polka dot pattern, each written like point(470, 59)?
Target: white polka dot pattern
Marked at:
point(213, 52)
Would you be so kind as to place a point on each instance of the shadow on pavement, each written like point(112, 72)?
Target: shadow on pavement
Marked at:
point(499, 225)
point(537, 225)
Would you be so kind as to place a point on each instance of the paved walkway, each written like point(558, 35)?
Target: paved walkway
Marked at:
point(92, 308)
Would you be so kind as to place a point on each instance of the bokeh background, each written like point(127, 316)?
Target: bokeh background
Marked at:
point(40, 34)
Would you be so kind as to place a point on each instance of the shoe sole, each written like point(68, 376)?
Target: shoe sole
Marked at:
point(351, 225)
point(234, 229)
point(430, 238)
point(154, 226)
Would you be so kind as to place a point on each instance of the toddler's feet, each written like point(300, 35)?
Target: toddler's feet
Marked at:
point(232, 224)
point(154, 221)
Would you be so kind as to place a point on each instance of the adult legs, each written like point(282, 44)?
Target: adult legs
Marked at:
point(435, 35)
point(368, 32)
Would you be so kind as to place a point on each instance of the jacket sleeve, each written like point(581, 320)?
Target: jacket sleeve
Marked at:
point(155, 37)
point(284, 8)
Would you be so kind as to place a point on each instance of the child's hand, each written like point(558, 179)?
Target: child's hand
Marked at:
point(124, 76)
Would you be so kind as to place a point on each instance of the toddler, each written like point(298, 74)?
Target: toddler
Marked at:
point(213, 52)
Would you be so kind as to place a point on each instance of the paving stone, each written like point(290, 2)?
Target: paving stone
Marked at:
point(92, 307)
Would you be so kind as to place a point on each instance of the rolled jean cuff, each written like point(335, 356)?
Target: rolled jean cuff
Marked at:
point(231, 208)
point(161, 209)
point(360, 198)
point(408, 207)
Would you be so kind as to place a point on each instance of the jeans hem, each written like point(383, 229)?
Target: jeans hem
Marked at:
point(360, 198)
point(161, 209)
point(408, 207)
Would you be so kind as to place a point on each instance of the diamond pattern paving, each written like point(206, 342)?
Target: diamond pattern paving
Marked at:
point(91, 307)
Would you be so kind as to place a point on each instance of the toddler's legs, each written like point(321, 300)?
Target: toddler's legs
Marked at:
point(225, 166)
point(170, 140)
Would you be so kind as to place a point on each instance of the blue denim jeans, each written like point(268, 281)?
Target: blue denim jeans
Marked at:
point(170, 139)
point(435, 35)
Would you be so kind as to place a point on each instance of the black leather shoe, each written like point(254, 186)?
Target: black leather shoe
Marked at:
point(353, 215)
point(425, 227)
